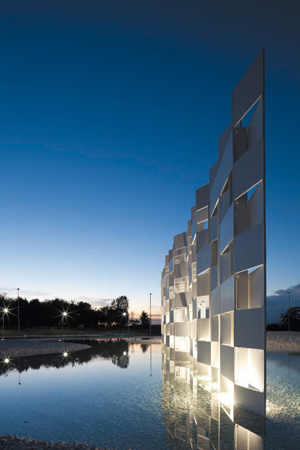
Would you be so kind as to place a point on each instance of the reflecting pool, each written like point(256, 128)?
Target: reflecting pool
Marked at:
point(130, 396)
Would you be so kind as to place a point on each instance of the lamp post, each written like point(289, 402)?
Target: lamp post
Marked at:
point(289, 326)
point(124, 314)
point(150, 318)
point(5, 311)
point(18, 311)
point(64, 314)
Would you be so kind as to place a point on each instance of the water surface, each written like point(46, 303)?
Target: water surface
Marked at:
point(131, 397)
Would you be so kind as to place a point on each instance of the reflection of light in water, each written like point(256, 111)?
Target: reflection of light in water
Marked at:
point(190, 400)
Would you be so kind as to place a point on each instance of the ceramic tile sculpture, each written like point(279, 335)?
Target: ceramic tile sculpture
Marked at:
point(213, 283)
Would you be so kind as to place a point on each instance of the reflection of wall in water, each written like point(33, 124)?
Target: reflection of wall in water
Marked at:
point(213, 282)
point(194, 418)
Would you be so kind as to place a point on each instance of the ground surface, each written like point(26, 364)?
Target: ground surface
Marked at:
point(27, 347)
point(69, 332)
point(8, 442)
point(277, 342)
point(36, 346)
point(283, 342)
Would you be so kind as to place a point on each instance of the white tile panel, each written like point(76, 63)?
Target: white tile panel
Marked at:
point(248, 90)
point(202, 214)
point(215, 328)
point(180, 300)
point(256, 206)
point(193, 329)
point(248, 249)
point(180, 240)
point(203, 259)
point(227, 362)
point(226, 164)
point(222, 142)
point(224, 204)
point(202, 240)
point(256, 288)
point(255, 129)
point(203, 285)
point(202, 196)
point(214, 277)
point(248, 170)
point(226, 329)
point(180, 329)
point(213, 228)
point(204, 352)
point(226, 229)
point(203, 328)
point(225, 265)
point(222, 174)
point(215, 301)
point(250, 399)
point(227, 295)
point(249, 328)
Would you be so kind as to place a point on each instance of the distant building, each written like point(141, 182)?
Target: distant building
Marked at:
point(213, 282)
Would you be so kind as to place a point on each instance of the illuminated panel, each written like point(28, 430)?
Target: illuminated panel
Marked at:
point(213, 282)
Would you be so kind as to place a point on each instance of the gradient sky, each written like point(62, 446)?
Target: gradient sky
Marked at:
point(110, 113)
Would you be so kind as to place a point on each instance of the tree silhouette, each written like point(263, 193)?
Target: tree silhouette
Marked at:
point(144, 318)
point(294, 314)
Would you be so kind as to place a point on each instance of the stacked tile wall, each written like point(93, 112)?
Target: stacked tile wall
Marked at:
point(213, 282)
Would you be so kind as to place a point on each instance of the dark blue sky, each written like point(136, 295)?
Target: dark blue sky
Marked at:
point(109, 117)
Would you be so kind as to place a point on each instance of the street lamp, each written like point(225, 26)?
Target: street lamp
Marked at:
point(289, 327)
point(18, 311)
point(64, 315)
point(124, 314)
point(5, 311)
point(150, 318)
